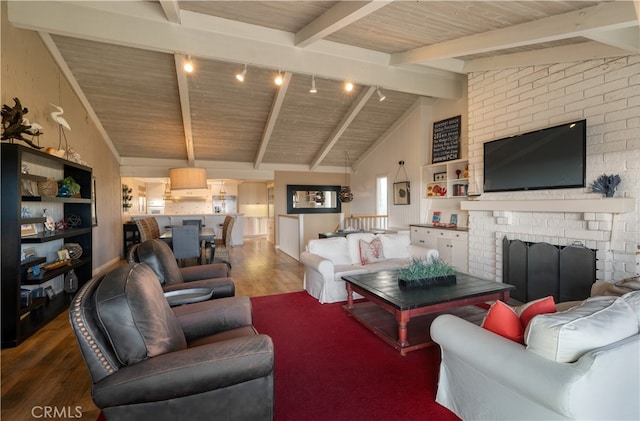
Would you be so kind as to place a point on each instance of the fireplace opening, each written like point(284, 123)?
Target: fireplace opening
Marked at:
point(538, 270)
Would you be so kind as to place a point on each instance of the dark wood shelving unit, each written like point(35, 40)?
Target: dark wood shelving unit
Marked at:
point(21, 321)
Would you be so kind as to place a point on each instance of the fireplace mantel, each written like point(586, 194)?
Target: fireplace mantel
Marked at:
point(602, 205)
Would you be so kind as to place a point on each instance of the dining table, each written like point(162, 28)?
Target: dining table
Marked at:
point(207, 235)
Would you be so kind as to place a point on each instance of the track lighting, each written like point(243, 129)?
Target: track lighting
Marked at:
point(278, 79)
point(348, 86)
point(240, 75)
point(381, 97)
point(313, 89)
point(188, 65)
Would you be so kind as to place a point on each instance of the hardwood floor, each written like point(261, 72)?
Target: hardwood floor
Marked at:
point(47, 373)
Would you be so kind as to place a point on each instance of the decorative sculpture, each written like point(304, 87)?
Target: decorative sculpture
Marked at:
point(57, 117)
point(606, 184)
point(14, 124)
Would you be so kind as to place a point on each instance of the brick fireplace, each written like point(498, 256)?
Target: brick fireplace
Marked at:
point(505, 102)
point(554, 222)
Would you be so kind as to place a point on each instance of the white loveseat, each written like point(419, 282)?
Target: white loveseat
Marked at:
point(327, 260)
point(582, 363)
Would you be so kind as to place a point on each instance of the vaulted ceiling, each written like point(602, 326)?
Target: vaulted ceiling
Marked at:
point(124, 59)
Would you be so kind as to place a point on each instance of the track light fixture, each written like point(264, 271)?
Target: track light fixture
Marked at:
point(348, 86)
point(279, 79)
point(381, 96)
point(313, 89)
point(240, 75)
point(188, 65)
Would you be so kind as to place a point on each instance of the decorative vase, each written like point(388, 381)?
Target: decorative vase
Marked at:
point(427, 282)
point(71, 282)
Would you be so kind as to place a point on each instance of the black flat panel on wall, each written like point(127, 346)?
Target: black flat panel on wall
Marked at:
point(577, 271)
point(542, 271)
point(515, 268)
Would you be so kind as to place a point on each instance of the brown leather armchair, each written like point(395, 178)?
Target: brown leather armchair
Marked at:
point(158, 255)
point(149, 361)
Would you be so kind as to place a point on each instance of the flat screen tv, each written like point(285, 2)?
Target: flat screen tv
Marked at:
point(551, 158)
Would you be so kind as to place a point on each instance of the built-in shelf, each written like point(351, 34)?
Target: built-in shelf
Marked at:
point(602, 205)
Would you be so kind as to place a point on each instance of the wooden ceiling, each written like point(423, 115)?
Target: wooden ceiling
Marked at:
point(125, 60)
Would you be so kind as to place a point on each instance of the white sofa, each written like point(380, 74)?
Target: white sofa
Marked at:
point(582, 363)
point(327, 260)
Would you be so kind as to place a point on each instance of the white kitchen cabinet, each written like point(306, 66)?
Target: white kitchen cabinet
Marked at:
point(255, 227)
point(423, 236)
point(252, 193)
point(452, 245)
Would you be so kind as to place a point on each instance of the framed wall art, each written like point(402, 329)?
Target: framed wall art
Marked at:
point(446, 140)
point(401, 193)
point(27, 229)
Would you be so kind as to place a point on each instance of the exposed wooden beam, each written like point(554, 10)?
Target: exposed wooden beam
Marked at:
point(352, 113)
point(185, 106)
point(382, 139)
point(564, 54)
point(73, 82)
point(604, 16)
point(171, 9)
point(336, 18)
point(627, 38)
point(272, 119)
point(141, 25)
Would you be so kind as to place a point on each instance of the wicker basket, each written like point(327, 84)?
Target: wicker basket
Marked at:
point(48, 188)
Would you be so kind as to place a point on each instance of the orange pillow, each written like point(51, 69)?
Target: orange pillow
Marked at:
point(531, 309)
point(503, 320)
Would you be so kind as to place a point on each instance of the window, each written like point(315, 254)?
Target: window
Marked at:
point(381, 195)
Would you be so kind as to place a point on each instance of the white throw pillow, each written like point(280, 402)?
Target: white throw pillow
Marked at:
point(633, 299)
point(354, 245)
point(566, 336)
point(395, 246)
point(335, 249)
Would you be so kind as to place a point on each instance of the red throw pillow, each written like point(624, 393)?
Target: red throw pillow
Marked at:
point(370, 252)
point(531, 309)
point(503, 320)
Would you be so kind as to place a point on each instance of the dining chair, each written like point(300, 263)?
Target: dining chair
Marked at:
point(186, 243)
point(197, 222)
point(148, 228)
point(222, 245)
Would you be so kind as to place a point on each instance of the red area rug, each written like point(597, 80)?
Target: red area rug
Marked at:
point(329, 367)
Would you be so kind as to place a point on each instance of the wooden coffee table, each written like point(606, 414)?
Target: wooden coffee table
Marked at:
point(402, 317)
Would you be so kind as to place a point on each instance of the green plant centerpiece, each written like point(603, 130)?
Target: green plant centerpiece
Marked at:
point(68, 187)
point(424, 273)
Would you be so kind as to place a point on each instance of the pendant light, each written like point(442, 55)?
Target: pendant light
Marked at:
point(188, 178)
point(345, 191)
point(222, 190)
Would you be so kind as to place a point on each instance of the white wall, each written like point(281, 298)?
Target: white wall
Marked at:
point(410, 141)
point(606, 93)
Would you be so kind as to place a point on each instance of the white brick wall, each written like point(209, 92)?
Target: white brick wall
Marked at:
point(605, 92)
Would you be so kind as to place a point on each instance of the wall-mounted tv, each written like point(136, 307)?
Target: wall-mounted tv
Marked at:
point(551, 158)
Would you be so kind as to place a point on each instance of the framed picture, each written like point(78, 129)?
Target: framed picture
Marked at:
point(440, 176)
point(435, 219)
point(94, 212)
point(401, 193)
point(63, 254)
point(27, 229)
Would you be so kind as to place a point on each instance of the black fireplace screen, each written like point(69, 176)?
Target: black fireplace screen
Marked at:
point(540, 269)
